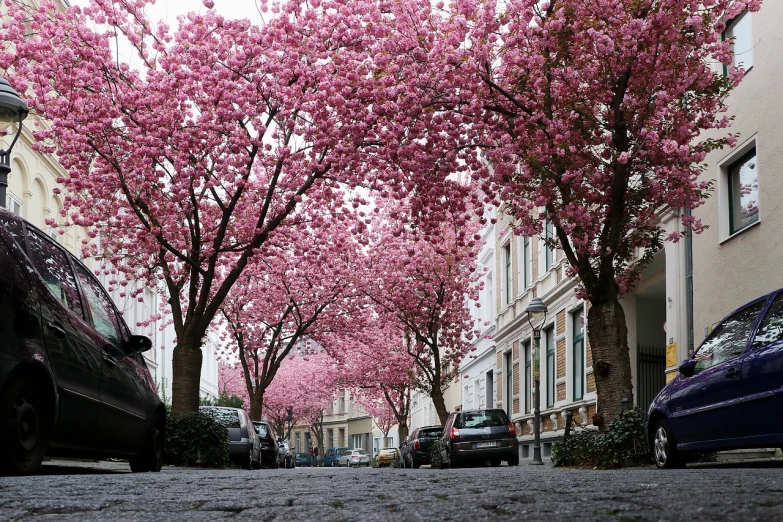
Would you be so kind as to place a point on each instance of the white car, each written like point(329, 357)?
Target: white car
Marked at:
point(355, 458)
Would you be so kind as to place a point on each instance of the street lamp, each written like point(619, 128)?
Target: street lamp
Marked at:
point(536, 316)
point(12, 110)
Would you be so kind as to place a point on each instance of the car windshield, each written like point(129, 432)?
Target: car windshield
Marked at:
point(225, 416)
point(431, 432)
point(482, 419)
point(303, 455)
point(262, 430)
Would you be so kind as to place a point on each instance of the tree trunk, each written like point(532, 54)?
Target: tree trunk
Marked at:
point(608, 335)
point(186, 377)
point(440, 405)
point(256, 406)
point(402, 429)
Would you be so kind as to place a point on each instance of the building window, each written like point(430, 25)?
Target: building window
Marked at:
point(549, 234)
point(578, 351)
point(743, 192)
point(526, 262)
point(509, 388)
point(14, 205)
point(341, 405)
point(356, 442)
point(550, 366)
point(507, 273)
point(528, 376)
point(738, 31)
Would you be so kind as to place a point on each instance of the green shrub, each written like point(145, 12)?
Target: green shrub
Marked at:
point(196, 439)
point(622, 444)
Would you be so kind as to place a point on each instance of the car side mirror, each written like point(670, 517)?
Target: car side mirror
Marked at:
point(688, 367)
point(138, 344)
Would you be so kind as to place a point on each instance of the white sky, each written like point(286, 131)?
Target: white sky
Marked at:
point(167, 10)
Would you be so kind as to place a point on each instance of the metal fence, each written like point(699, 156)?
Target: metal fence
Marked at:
point(650, 373)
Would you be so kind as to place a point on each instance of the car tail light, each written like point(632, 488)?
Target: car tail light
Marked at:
point(416, 444)
point(511, 429)
point(454, 434)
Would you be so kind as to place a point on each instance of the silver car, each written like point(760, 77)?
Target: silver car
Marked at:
point(355, 458)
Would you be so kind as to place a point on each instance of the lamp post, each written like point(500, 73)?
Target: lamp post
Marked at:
point(536, 316)
point(12, 110)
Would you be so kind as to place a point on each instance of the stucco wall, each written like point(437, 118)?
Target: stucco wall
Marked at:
point(729, 271)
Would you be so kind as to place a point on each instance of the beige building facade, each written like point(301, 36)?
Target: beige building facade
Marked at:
point(737, 258)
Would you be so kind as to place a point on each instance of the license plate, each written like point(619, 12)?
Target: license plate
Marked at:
point(485, 444)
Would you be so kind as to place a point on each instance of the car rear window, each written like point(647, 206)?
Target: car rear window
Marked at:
point(360, 452)
point(431, 432)
point(481, 419)
point(226, 417)
point(262, 430)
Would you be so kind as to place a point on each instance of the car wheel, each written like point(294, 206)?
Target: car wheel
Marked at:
point(25, 418)
point(151, 456)
point(665, 448)
point(248, 464)
point(514, 461)
point(415, 464)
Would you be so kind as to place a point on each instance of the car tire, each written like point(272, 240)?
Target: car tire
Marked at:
point(665, 450)
point(414, 464)
point(248, 463)
point(257, 463)
point(26, 419)
point(514, 461)
point(150, 458)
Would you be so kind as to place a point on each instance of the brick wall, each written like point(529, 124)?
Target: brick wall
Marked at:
point(560, 358)
point(515, 350)
point(561, 391)
point(590, 382)
point(515, 374)
point(516, 406)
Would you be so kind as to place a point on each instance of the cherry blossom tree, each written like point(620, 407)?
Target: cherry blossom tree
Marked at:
point(376, 367)
point(296, 293)
point(187, 157)
point(308, 386)
point(596, 112)
point(421, 288)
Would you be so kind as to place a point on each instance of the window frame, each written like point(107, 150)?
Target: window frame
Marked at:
point(551, 365)
point(549, 253)
point(507, 277)
point(734, 163)
point(526, 262)
point(730, 26)
point(578, 370)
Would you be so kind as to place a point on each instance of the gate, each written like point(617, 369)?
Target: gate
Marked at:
point(650, 374)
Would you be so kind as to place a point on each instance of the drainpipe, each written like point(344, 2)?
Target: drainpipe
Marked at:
point(689, 284)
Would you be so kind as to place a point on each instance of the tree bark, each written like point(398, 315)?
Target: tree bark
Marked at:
point(256, 406)
point(608, 335)
point(402, 429)
point(440, 405)
point(186, 377)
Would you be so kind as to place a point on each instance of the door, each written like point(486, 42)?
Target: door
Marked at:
point(490, 389)
point(122, 422)
point(762, 377)
point(75, 360)
point(708, 405)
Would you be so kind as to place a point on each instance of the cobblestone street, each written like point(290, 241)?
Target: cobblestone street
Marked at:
point(105, 491)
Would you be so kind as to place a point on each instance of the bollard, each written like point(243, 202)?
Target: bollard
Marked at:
point(569, 420)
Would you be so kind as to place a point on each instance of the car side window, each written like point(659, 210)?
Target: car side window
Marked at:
point(728, 340)
point(103, 314)
point(771, 328)
point(52, 263)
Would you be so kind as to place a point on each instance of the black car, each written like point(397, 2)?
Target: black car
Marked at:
point(271, 454)
point(73, 382)
point(416, 450)
point(478, 436)
point(244, 446)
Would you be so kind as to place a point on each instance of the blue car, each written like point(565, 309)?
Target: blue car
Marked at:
point(730, 394)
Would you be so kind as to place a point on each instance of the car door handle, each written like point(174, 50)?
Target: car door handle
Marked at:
point(57, 329)
point(111, 361)
point(732, 373)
